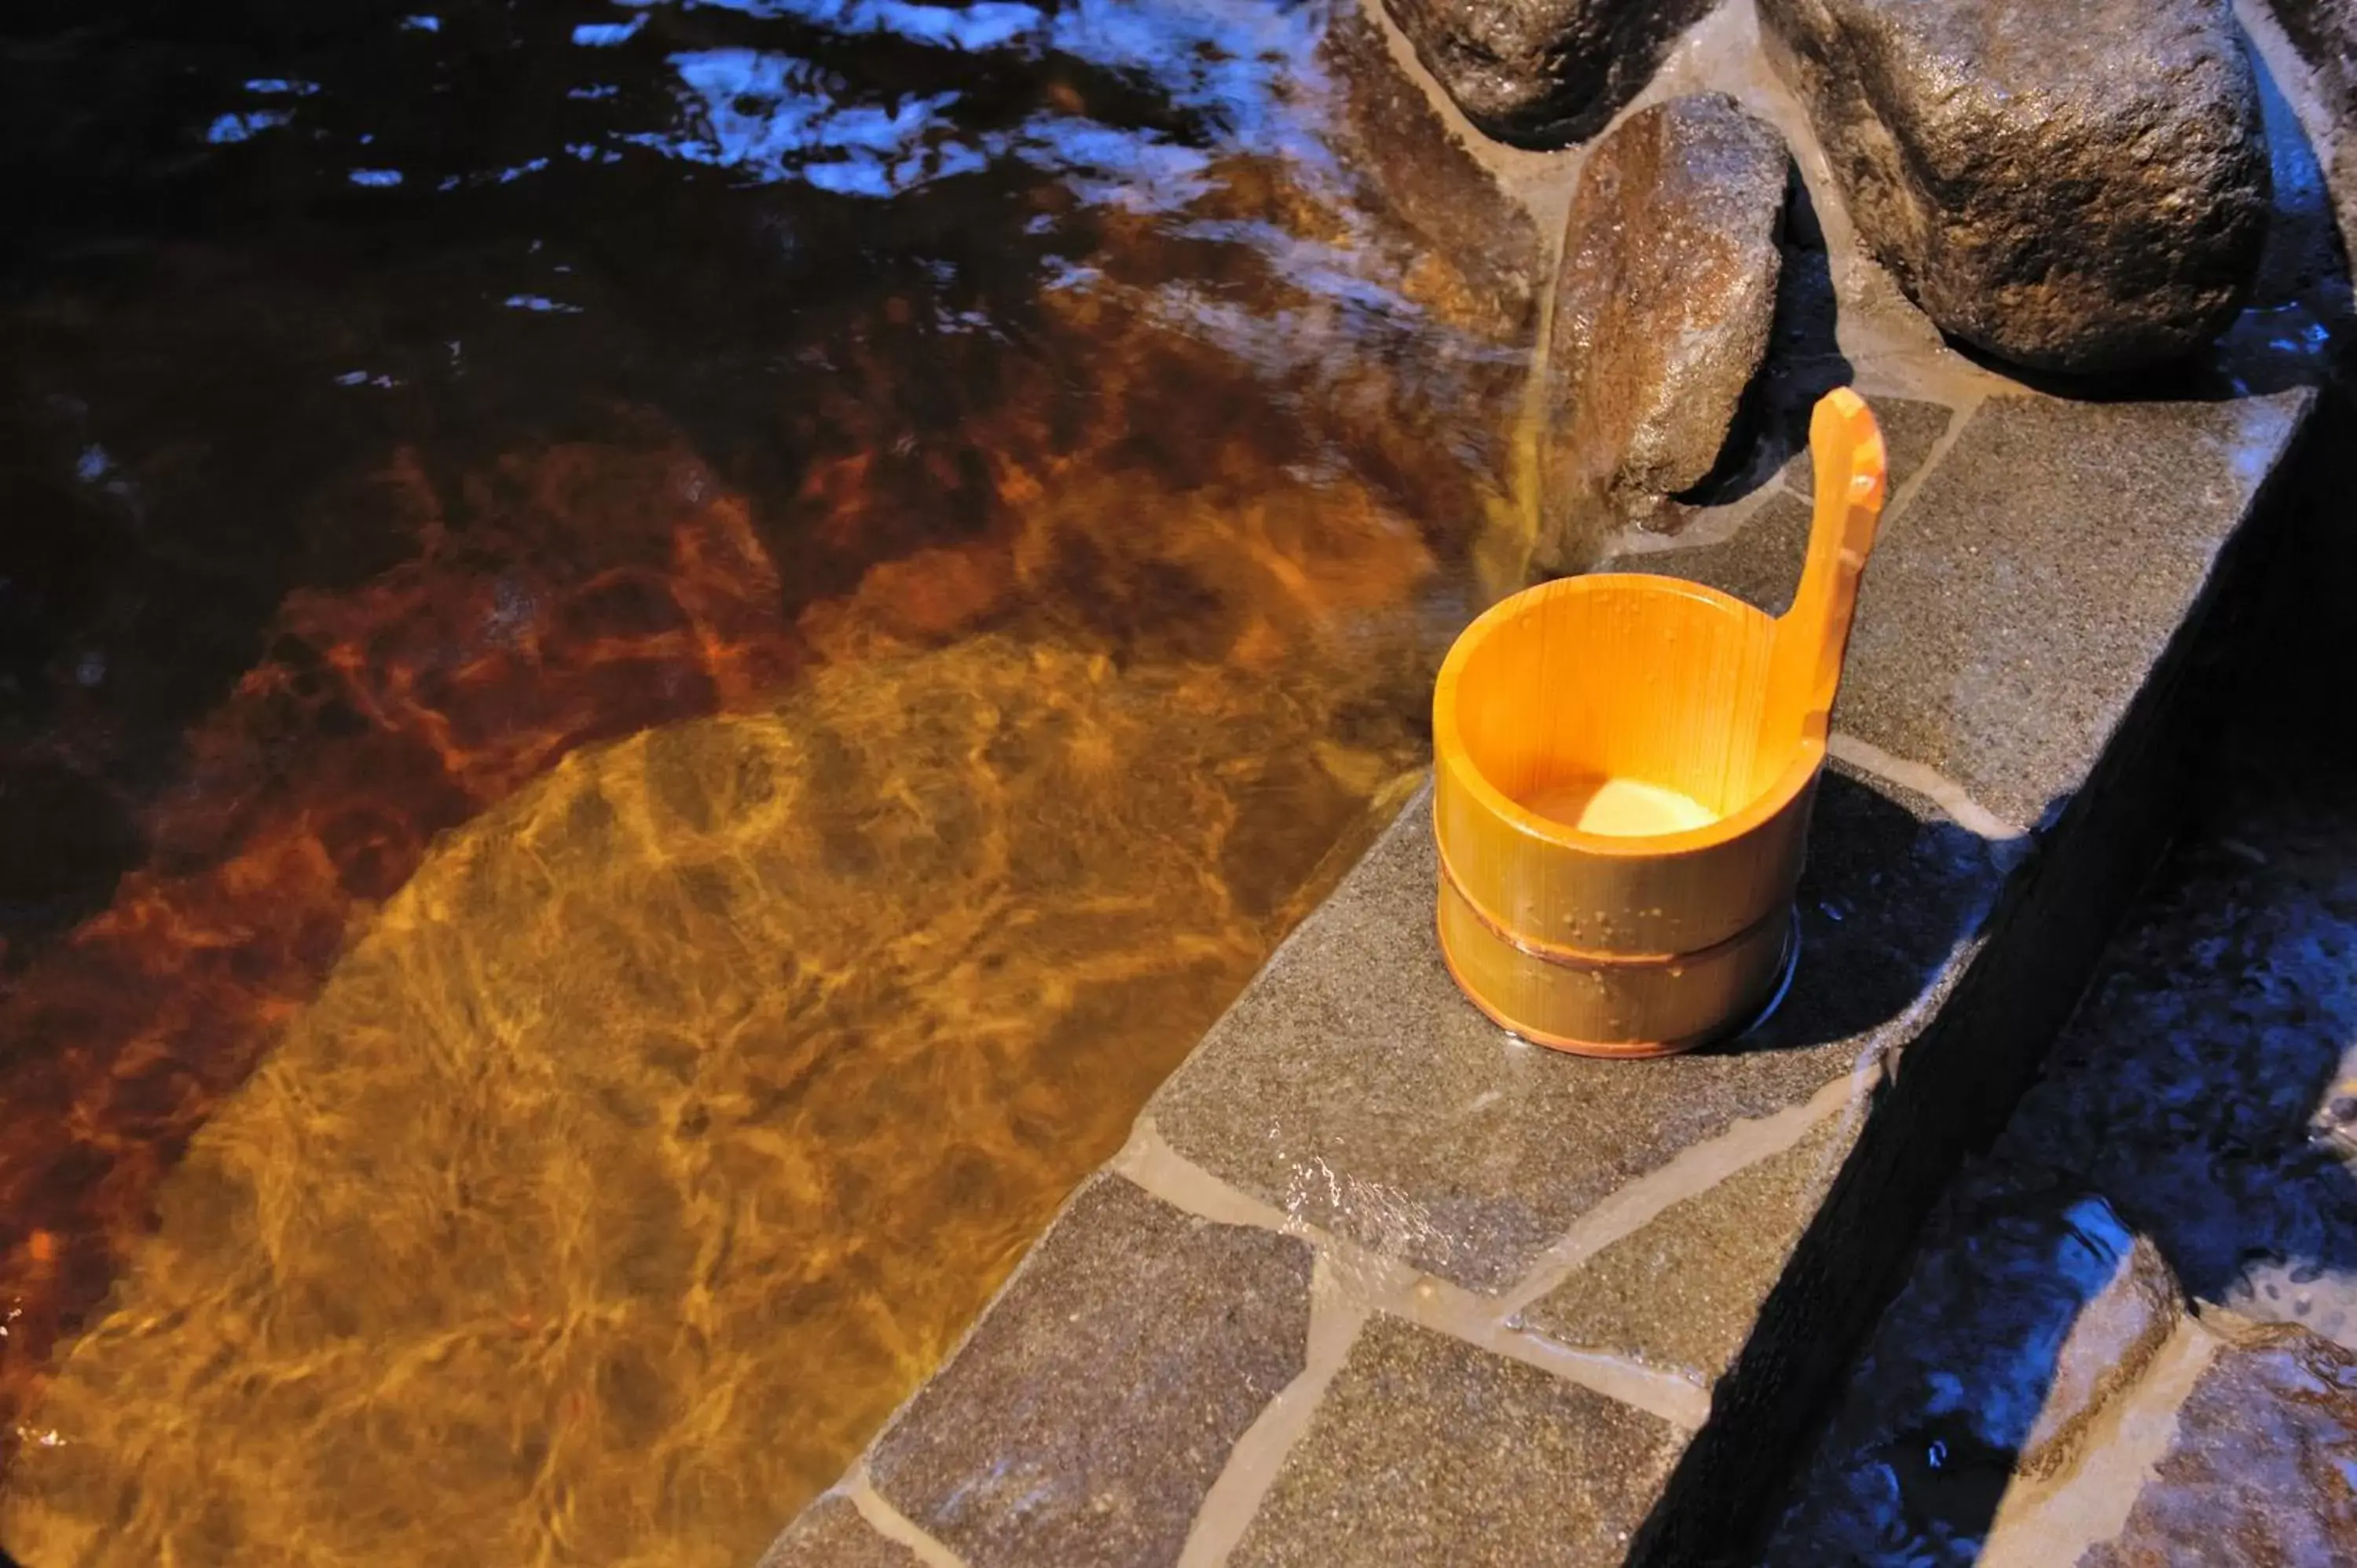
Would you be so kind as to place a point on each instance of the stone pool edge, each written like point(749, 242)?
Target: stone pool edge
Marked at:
point(1179, 1458)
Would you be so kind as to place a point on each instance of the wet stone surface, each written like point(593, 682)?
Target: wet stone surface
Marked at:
point(1973, 652)
point(1392, 139)
point(2024, 1313)
point(1682, 1293)
point(2197, 1120)
point(1911, 429)
point(1663, 301)
point(831, 1534)
point(1466, 1152)
point(2264, 1466)
point(1425, 1444)
point(1096, 1402)
point(2206, 1085)
point(1543, 72)
point(2325, 34)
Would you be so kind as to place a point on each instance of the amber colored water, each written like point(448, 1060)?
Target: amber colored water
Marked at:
point(654, 660)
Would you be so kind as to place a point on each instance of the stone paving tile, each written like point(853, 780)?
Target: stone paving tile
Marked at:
point(1911, 429)
point(1975, 651)
point(1096, 1402)
point(1354, 1087)
point(1683, 1293)
point(831, 1534)
point(1759, 565)
point(2015, 608)
point(1428, 1451)
point(2264, 1466)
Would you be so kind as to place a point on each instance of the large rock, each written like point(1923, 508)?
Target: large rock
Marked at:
point(1542, 73)
point(1661, 315)
point(2078, 186)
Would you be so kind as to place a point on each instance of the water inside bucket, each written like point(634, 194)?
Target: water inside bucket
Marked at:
point(1620, 808)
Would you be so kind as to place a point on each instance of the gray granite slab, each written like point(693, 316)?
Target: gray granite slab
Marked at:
point(1911, 429)
point(1097, 1400)
point(1428, 1451)
point(1759, 563)
point(831, 1534)
point(2015, 608)
point(1354, 1087)
point(1682, 1293)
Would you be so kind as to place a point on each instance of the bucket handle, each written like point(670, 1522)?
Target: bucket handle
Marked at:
point(1852, 476)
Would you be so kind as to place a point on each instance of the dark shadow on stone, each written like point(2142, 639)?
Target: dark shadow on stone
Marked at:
point(1804, 361)
point(1886, 898)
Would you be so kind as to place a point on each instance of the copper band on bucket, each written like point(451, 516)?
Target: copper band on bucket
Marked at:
point(1567, 957)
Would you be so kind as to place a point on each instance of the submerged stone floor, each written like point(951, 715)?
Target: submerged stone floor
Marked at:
point(1375, 1282)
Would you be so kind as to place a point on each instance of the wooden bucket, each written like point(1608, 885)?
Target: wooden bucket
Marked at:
point(1625, 765)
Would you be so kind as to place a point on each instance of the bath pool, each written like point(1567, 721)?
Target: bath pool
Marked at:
point(655, 659)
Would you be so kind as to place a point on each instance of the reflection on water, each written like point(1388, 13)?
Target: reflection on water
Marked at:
point(653, 660)
point(676, 1114)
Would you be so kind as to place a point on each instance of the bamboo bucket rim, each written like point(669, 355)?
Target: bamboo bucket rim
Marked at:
point(1808, 752)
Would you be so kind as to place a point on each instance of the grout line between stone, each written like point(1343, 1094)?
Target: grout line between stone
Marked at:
point(2057, 1522)
point(1962, 406)
point(1665, 1396)
point(1539, 180)
point(1715, 525)
point(1254, 1464)
point(1928, 782)
point(890, 1523)
point(1692, 1172)
point(1381, 1283)
point(2293, 77)
point(1148, 1160)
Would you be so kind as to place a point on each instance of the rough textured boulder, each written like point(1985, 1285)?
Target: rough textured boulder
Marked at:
point(1662, 316)
point(1543, 73)
point(2078, 186)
